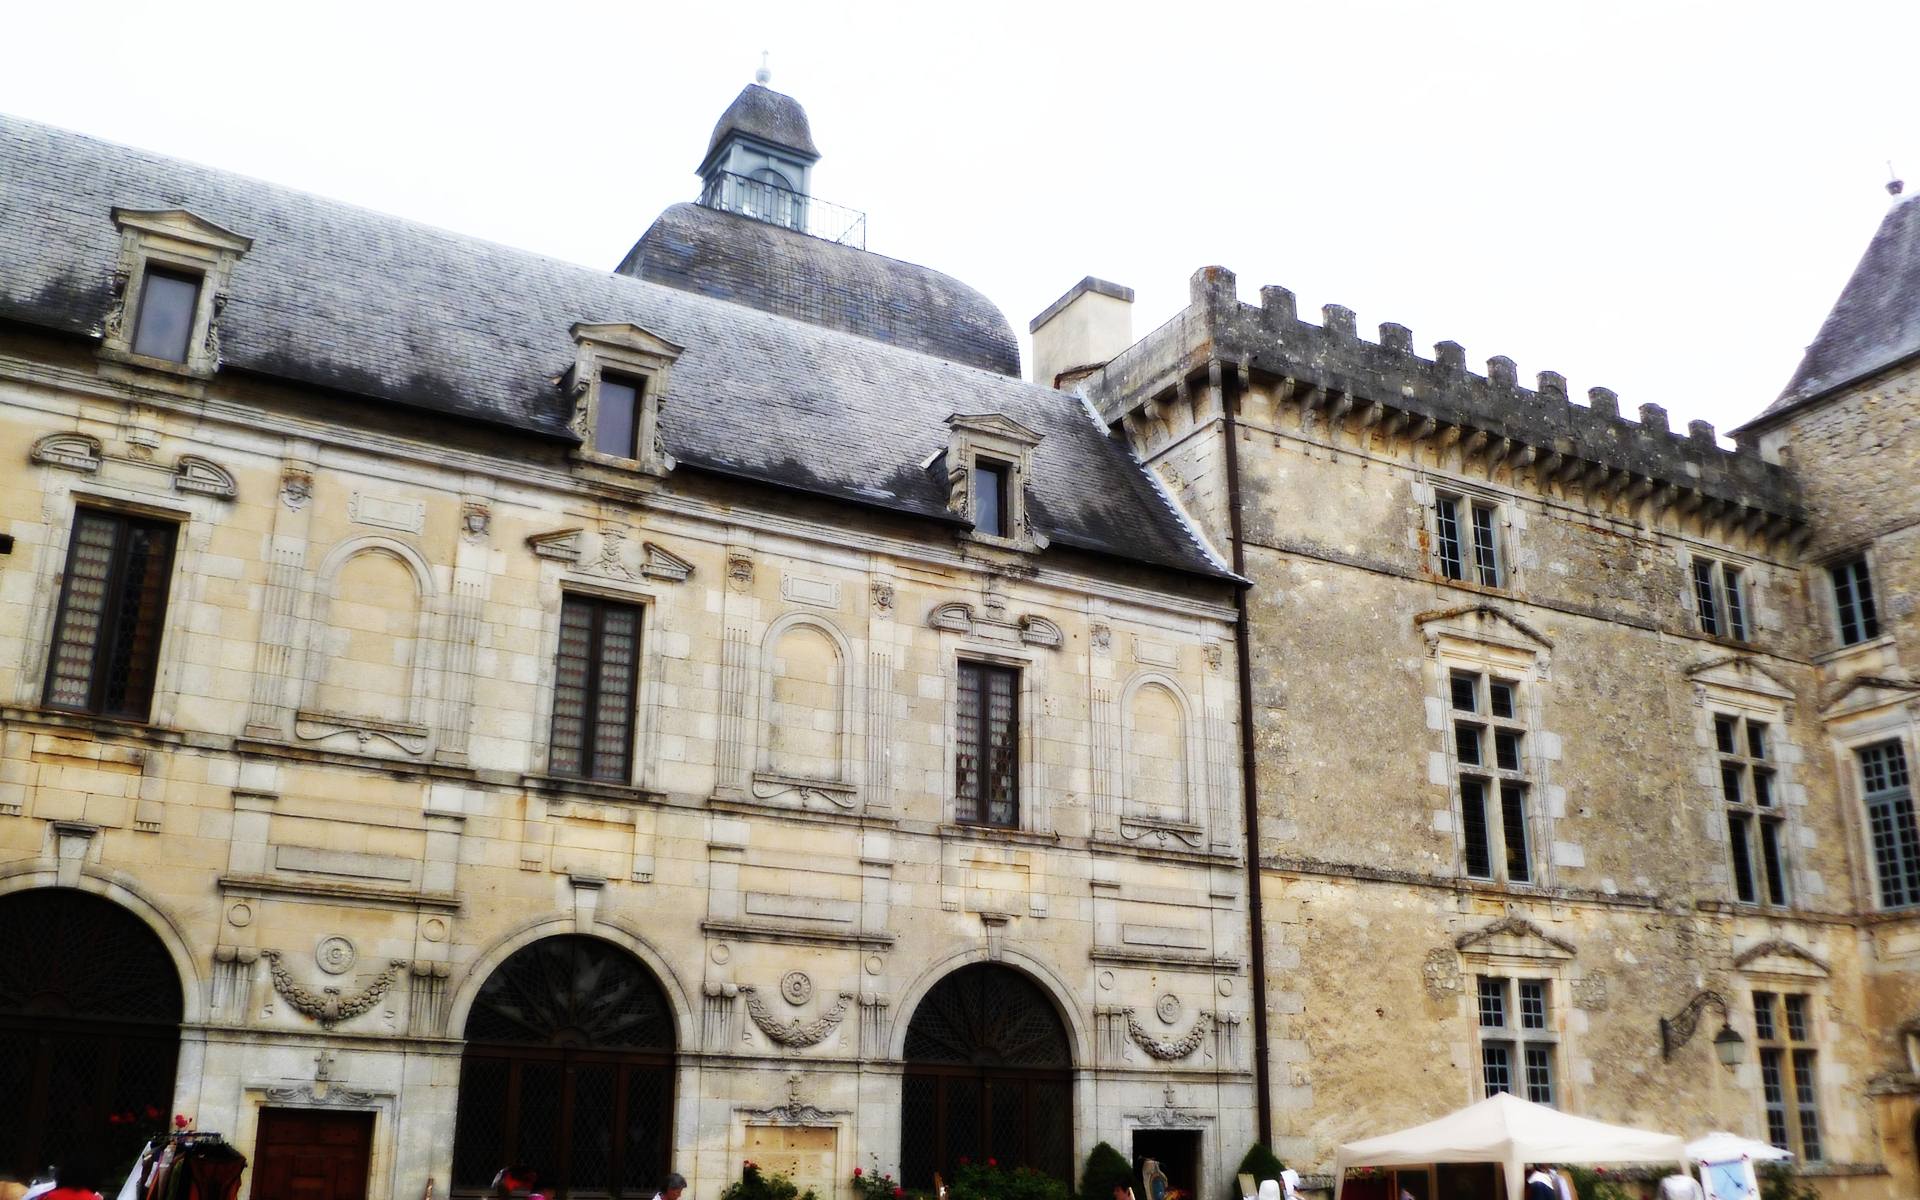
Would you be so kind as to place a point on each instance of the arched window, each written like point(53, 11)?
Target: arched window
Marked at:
point(989, 1075)
point(90, 1009)
point(568, 1069)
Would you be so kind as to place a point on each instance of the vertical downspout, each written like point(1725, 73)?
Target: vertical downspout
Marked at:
point(1249, 784)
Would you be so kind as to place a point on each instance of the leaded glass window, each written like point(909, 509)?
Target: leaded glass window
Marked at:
point(1789, 1072)
point(1891, 828)
point(986, 765)
point(1756, 823)
point(113, 602)
point(1517, 1045)
point(1489, 750)
point(1854, 609)
point(595, 673)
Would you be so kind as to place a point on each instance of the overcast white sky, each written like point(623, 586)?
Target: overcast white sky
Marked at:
point(1659, 198)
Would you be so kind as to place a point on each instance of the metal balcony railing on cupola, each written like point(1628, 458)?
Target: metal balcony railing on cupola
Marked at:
point(776, 205)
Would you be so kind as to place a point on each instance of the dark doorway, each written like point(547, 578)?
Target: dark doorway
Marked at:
point(569, 1070)
point(1178, 1153)
point(989, 1075)
point(301, 1154)
point(90, 1009)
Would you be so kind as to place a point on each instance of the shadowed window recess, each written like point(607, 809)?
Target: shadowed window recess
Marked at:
point(1466, 540)
point(1489, 751)
point(1854, 611)
point(168, 303)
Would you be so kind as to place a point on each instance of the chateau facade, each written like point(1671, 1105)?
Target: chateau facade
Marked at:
point(460, 708)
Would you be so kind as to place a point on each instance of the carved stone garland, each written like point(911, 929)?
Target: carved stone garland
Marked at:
point(328, 1006)
point(1175, 1050)
point(795, 1033)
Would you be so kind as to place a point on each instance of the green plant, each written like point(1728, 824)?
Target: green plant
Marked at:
point(1779, 1181)
point(1592, 1183)
point(753, 1185)
point(990, 1181)
point(1106, 1170)
point(1261, 1163)
point(875, 1184)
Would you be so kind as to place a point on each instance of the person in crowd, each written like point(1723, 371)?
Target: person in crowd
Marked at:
point(1680, 1186)
point(75, 1180)
point(1541, 1185)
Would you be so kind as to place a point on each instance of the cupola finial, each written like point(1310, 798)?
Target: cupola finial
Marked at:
point(764, 75)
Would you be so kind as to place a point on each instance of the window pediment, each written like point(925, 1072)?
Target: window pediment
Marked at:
point(1483, 633)
point(1778, 956)
point(182, 226)
point(1865, 694)
point(1514, 937)
point(1741, 673)
point(169, 289)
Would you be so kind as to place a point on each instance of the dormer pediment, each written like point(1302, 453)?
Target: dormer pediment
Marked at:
point(624, 335)
point(1865, 693)
point(1779, 956)
point(994, 425)
point(1741, 673)
point(183, 226)
point(1515, 937)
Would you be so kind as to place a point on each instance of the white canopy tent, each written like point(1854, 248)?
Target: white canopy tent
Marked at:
point(1721, 1146)
point(1512, 1132)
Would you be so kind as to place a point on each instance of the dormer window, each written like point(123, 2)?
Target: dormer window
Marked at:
point(164, 328)
point(171, 288)
point(990, 497)
point(618, 382)
point(989, 459)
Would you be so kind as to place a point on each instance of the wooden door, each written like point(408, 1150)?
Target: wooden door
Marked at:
point(304, 1154)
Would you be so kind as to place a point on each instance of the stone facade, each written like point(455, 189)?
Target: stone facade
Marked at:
point(1333, 452)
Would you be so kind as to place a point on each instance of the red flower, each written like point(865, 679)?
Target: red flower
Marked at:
point(964, 1160)
point(993, 1162)
point(180, 1121)
point(858, 1172)
point(899, 1192)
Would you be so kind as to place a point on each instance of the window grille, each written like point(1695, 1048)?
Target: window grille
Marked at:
point(1756, 824)
point(595, 669)
point(1527, 1044)
point(1789, 1072)
point(113, 601)
point(1466, 541)
point(1853, 605)
point(1890, 823)
point(986, 766)
point(1489, 746)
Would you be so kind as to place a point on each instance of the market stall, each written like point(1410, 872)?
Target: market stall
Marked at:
point(1509, 1132)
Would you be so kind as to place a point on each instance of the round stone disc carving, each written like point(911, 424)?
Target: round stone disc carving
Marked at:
point(335, 955)
point(1168, 1008)
point(796, 987)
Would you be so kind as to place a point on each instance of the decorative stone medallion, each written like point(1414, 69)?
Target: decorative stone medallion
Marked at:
point(720, 953)
point(796, 987)
point(1168, 1008)
point(335, 955)
point(240, 915)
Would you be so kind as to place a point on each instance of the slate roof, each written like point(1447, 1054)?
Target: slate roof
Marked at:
point(1875, 323)
point(778, 270)
point(773, 117)
point(411, 316)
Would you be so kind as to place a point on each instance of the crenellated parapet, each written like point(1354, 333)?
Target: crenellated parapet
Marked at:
point(1353, 391)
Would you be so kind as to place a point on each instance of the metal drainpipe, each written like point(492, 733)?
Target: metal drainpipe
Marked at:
point(1249, 783)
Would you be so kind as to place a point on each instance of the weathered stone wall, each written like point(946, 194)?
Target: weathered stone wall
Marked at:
point(398, 820)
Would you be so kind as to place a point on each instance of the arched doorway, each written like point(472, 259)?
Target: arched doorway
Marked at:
point(569, 1070)
point(90, 1009)
point(989, 1075)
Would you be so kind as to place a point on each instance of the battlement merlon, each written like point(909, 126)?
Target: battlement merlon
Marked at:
point(1590, 444)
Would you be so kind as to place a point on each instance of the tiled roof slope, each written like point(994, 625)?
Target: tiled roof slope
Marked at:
point(1876, 321)
point(772, 117)
point(342, 298)
point(775, 269)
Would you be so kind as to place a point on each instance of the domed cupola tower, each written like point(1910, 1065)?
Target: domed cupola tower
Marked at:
point(759, 162)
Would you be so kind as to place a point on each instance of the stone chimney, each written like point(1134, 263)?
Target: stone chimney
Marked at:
point(1081, 331)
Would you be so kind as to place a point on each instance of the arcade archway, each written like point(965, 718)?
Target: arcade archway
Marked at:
point(90, 1007)
point(989, 1074)
point(568, 1069)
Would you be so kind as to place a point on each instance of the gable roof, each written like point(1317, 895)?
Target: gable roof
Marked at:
point(407, 315)
point(1875, 324)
